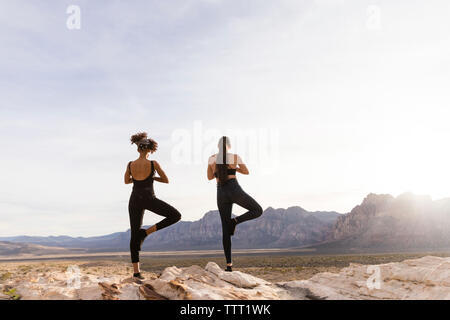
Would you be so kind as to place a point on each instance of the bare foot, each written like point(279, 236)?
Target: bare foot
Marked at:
point(151, 229)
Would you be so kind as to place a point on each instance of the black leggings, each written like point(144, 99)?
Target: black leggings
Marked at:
point(227, 194)
point(139, 202)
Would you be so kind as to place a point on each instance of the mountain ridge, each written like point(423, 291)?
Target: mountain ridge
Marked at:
point(381, 222)
point(403, 222)
point(269, 231)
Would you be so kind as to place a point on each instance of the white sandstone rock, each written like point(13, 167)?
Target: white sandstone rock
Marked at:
point(237, 278)
point(194, 283)
point(424, 278)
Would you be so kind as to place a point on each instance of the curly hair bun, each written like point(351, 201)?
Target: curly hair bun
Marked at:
point(135, 138)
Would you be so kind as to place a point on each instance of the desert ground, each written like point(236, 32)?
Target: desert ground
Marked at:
point(274, 268)
point(270, 265)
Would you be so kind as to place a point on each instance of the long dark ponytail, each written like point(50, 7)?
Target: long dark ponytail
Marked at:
point(221, 161)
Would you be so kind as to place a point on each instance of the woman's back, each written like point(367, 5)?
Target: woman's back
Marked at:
point(141, 169)
point(231, 160)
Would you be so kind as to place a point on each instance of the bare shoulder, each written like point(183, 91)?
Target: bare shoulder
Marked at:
point(212, 159)
point(129, 163)
point(238, 158)
point(155, 163)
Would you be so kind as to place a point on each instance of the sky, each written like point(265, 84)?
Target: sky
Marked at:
point(326, 101)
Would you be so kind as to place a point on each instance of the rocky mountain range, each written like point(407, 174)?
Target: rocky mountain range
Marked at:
point(276, 228)
point(8, 248)
point(380, 223)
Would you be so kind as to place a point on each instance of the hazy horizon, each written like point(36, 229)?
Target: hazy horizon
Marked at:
point(196, 219)
point(326, 101)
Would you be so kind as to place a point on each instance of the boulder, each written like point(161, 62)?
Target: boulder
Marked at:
point(427, 278)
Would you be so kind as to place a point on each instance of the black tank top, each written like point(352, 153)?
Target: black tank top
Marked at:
point(145, 185)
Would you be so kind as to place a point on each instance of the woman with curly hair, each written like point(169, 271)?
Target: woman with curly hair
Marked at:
point(141, 172)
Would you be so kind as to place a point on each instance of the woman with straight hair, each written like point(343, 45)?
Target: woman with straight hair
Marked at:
point(141, 172)
point(223, 166)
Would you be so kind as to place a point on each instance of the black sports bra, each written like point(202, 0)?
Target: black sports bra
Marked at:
point(230, 172)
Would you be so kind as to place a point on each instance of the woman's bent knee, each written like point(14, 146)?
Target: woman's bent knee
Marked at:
point(177, 216)
point(258, 211)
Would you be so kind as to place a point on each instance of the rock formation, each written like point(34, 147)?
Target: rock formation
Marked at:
point(427, 278)
point(424, 278)
point(196, 283)
point(387, 223)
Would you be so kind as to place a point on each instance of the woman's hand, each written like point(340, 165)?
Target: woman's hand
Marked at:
point(162, 175)
point(241, 167)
